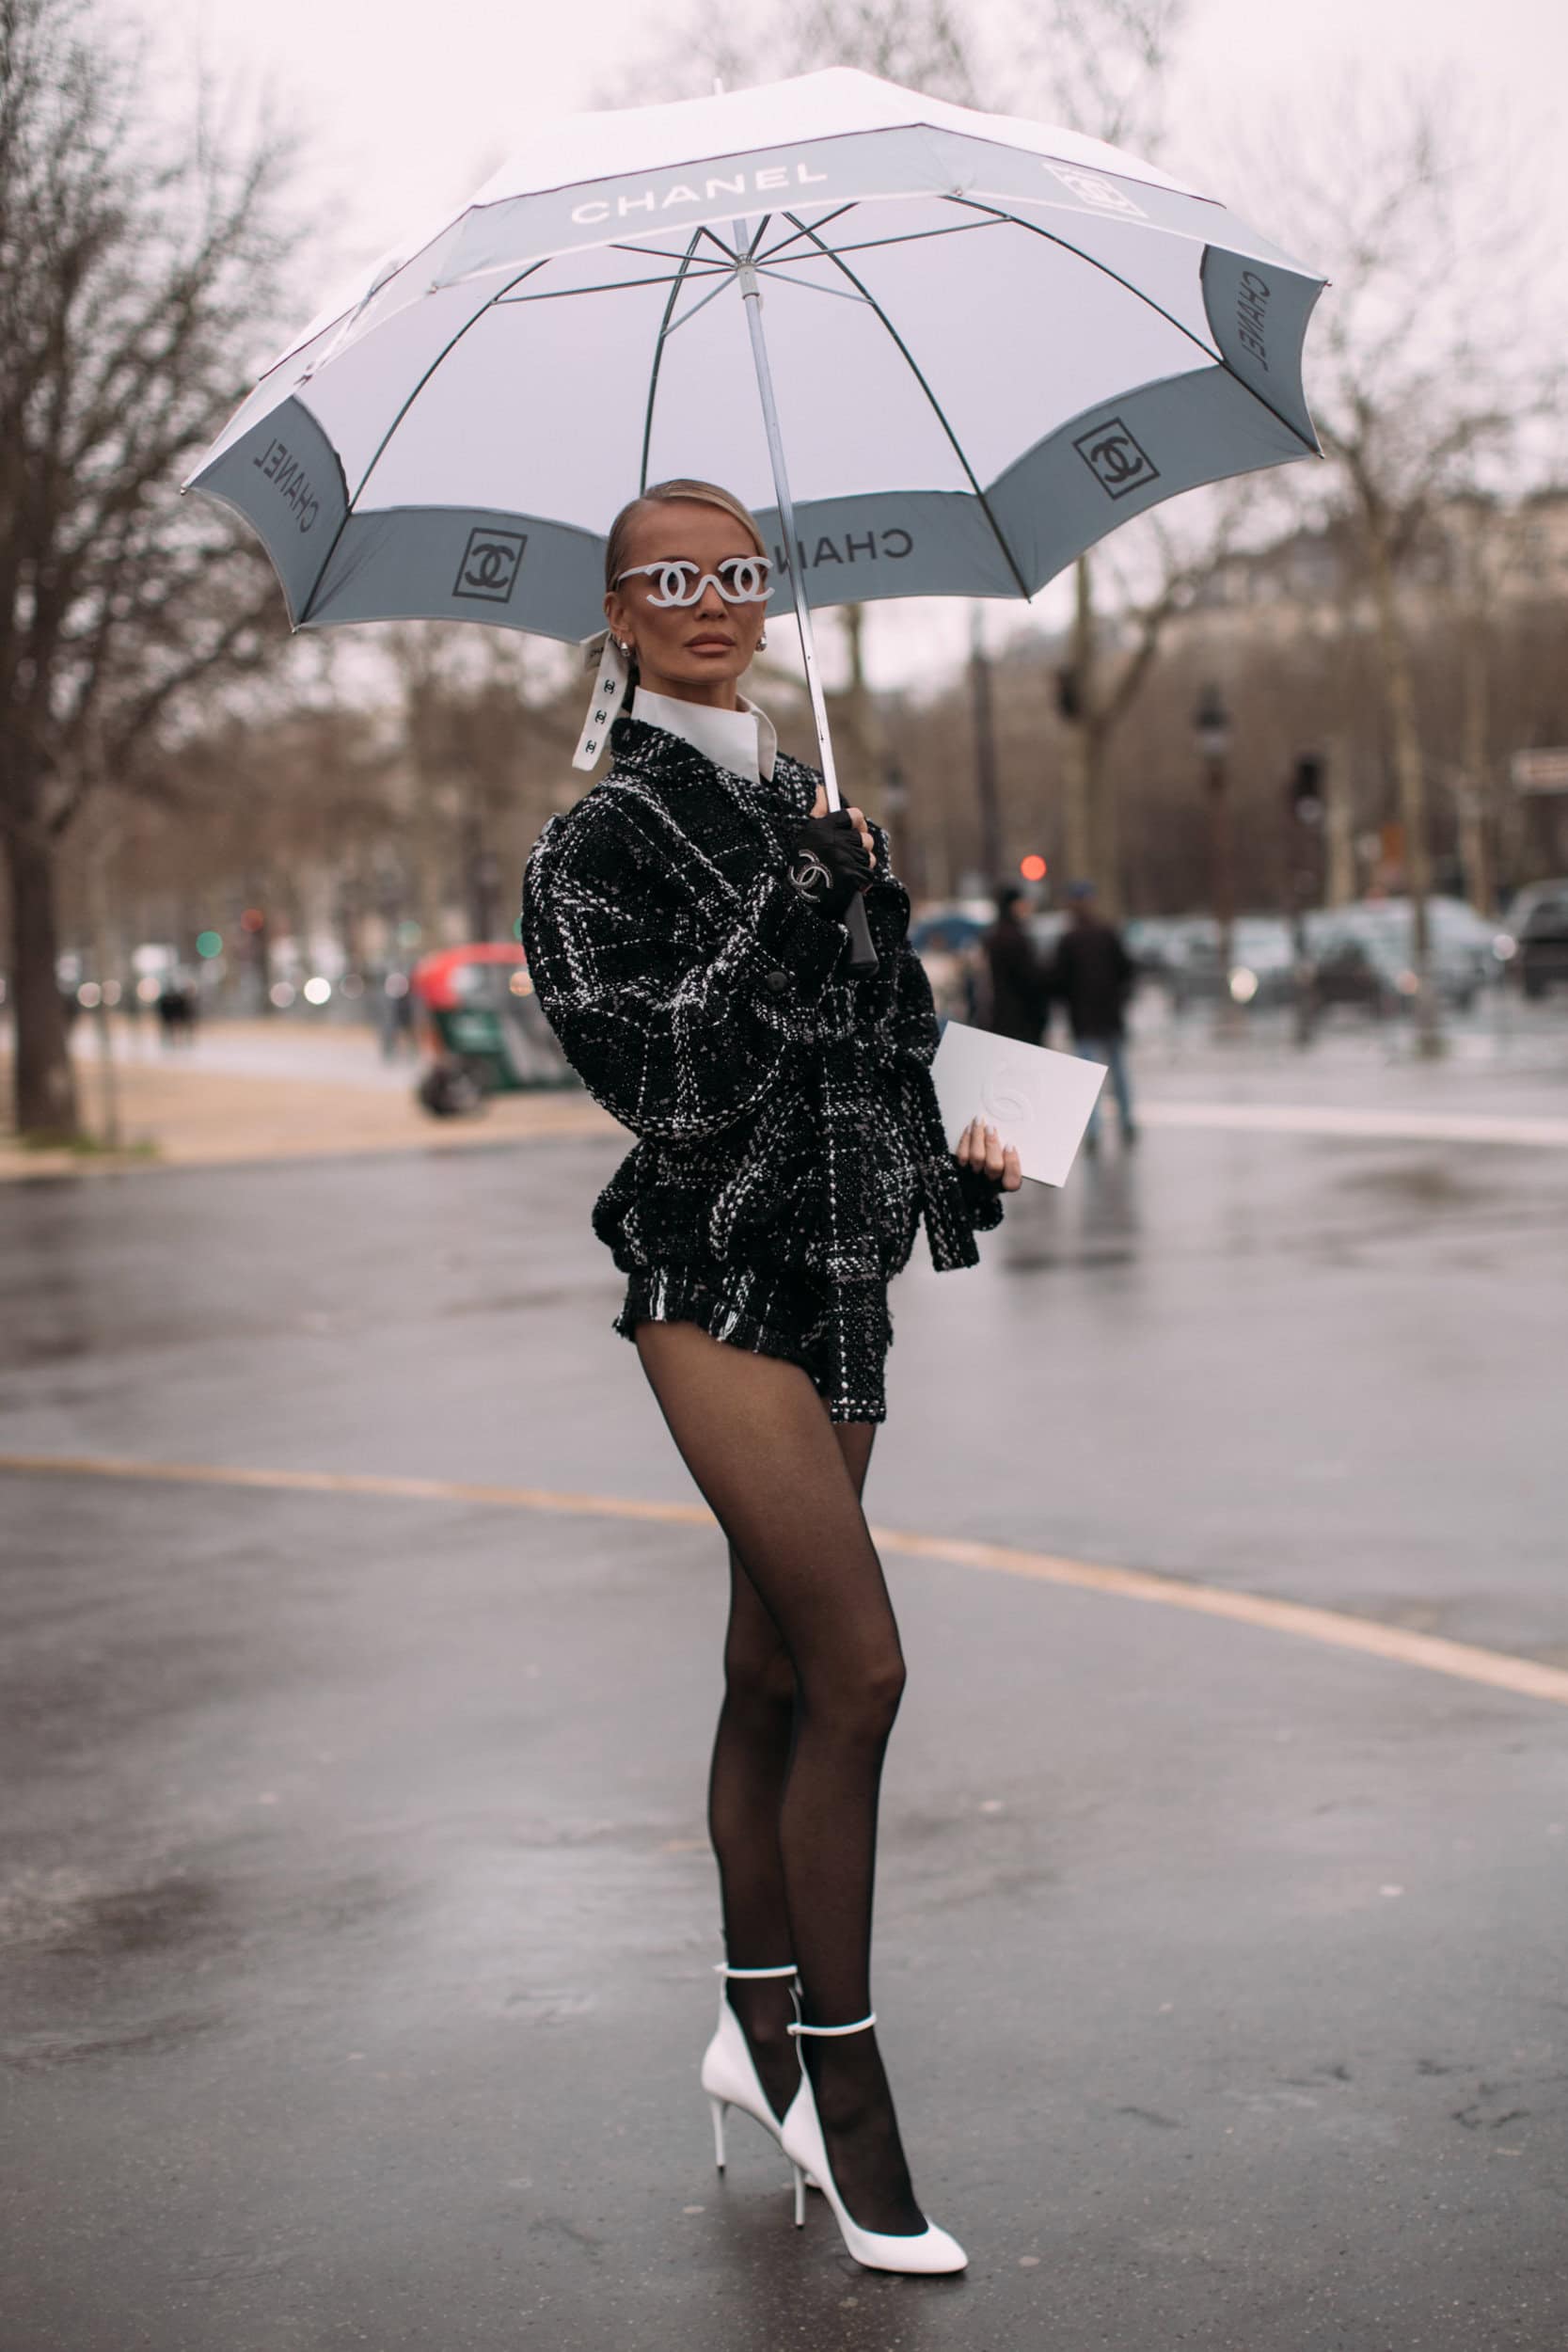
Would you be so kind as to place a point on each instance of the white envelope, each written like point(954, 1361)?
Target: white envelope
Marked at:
point(1034, 1098)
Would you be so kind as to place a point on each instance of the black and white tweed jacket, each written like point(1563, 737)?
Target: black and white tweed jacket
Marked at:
point(785, 1113)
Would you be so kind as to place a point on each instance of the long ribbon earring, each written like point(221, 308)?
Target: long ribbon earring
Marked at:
point(611, 679)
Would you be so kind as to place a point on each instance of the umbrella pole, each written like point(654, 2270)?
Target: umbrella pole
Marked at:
point(863, 956)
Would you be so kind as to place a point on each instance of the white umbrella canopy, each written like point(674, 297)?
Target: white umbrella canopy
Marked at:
point(990, 343)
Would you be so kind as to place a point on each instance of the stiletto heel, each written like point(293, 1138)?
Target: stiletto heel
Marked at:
point(729, 2073)
point(929, 2251)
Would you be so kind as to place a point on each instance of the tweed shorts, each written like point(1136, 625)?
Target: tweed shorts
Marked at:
point(839, 1335)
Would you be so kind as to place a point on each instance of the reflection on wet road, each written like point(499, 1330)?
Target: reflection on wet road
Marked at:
point(355, 1914)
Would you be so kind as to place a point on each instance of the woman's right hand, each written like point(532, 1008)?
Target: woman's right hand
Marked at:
point(856, 816)
point(832, 858)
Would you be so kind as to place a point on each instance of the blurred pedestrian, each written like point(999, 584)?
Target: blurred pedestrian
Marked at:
point(174, 1011)
point(1091, 978)
point(684, 926)
point(1018, 997)
point(399, 1026)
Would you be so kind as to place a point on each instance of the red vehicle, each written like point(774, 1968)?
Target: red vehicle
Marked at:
point(484, 1028)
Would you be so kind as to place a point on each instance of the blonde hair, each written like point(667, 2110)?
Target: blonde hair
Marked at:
point(679, 493)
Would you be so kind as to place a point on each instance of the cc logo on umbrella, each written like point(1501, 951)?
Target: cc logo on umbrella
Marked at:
point(1114, 457)
point(489, 568)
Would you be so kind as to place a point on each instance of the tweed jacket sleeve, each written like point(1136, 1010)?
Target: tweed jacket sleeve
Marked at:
point(959, 1202)
point(675, 989)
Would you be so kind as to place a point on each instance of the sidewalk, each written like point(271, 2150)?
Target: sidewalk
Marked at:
point(256, 1091)
point(286, 1089)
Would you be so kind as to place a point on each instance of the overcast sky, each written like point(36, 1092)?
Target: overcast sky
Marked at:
point(406, 107)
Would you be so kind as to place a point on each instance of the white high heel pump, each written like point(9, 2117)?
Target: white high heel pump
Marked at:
point(929, 2251)
point(730, 2076)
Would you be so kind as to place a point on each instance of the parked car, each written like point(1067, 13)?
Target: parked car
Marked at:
point(1463, 943)
point(1535, 937)
point(1360, 971)
point(1157, 943)
point(1382, 927)
point(1260, 974)
point(947, 940)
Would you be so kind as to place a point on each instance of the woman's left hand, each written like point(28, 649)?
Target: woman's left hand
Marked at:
point(980, 1147)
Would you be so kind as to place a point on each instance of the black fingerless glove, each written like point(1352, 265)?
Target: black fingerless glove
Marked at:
point(827, 862)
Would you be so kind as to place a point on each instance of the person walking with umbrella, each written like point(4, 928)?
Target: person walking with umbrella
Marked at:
point(685, 933)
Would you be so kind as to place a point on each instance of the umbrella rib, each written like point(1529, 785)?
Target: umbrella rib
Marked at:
point(725, 276)
point(658, 357)
point(936, 408)
point(806, 285)
point(731, 254)
point(449, 345)
point(609, 285)
point(1210, 351)
point(993, 213)
point(638, 252)
point(873, 244)
point(793, 237)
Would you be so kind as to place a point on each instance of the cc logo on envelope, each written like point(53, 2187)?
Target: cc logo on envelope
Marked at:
point(1005, 1096)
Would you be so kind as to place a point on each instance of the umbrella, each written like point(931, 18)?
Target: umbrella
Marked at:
point(987, 344)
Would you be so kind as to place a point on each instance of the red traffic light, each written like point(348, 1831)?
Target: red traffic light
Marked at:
point(1032, 868)
point(252, 919)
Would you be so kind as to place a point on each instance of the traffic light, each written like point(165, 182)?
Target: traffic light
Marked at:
point(1306, 789)
point(1032, 868)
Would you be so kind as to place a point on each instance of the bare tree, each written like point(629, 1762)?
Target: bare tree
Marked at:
point(925, 44)
point(1102, 64)
point(1108, 667)
point(135, 271)
point(1421, 384)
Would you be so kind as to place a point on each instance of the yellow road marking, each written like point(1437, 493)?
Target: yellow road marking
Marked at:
point(1525, 1676)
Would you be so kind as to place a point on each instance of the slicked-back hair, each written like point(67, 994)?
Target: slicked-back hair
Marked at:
point(679, 493)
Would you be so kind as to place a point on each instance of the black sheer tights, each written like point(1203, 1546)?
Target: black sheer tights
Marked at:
point(814, 1674)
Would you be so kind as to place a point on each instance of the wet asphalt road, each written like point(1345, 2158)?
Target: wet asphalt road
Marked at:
point(356, 1913)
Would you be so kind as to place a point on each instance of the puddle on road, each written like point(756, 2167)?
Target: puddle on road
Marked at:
point(62, 1911)
point(1421, 1184)
point(40, 2053)
point(157, 1918)
point(1044, 1261)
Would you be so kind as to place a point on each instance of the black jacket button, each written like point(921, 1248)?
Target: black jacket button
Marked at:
point(778, 981)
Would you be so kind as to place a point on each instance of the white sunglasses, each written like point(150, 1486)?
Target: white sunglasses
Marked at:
point(739, 580)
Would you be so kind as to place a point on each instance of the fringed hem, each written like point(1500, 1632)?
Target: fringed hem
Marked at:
point(722, 1304)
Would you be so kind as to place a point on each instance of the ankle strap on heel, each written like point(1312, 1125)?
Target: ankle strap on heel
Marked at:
point(829, 2032)
point(722, 1968)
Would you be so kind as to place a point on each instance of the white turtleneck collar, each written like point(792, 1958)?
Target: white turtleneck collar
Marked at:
point(743, 741)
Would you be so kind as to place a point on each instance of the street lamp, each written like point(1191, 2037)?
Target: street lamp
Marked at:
point(1212, 733)
point(1306, 811)
point(895, 806)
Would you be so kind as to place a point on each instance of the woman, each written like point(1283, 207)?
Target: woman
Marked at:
point(683, 931)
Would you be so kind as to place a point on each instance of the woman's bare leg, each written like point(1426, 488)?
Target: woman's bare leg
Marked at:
point(757, 1440)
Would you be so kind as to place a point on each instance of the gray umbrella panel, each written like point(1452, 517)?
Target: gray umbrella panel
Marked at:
point(984, 360)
